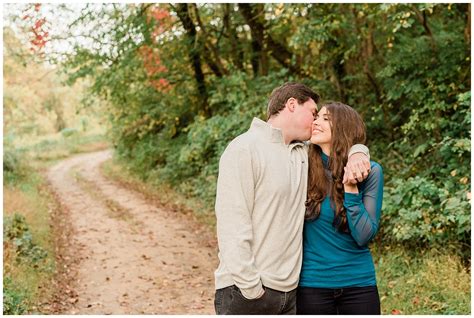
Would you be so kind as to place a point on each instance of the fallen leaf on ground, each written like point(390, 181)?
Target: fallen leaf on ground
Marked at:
point(73, 300)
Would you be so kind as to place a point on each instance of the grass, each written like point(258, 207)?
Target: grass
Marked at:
point(422, 282)
point(46, 152)
point(26, 282)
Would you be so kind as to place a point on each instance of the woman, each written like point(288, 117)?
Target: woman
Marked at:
point(338, 275)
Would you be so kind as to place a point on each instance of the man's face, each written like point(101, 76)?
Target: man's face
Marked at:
point(304, 116)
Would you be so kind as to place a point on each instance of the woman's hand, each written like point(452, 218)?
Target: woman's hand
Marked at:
point(358, 168)
point(349, 187)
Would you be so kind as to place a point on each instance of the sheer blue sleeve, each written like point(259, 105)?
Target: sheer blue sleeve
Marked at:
point(363, 209)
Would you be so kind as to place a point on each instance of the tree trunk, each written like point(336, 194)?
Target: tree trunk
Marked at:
point(422, 18)
point(367, 50)
point(337, 68)
point(211, 55)
point(265, 43)
point(182, 11)
point(251, 14)
point(237, 53)
point(467, 29)
point(368, 54)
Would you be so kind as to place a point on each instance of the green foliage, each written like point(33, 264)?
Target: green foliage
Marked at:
point(17, 233)
point(68, 132)
point(417, 210)
point(14, 167)
point(14, 301)
point(425, 78)
point(10, 161)
point(28, 248)
point(19, 247)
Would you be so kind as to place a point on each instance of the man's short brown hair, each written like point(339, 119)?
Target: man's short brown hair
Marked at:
point(280, 96)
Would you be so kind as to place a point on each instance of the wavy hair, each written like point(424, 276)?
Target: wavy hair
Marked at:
point(347, 129)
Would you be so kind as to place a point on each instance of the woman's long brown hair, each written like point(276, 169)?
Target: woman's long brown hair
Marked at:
point(347, 129)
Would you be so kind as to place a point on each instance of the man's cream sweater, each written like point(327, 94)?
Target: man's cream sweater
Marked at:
point(261, 190)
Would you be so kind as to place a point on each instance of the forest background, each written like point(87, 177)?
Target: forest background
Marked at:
point(169, 86)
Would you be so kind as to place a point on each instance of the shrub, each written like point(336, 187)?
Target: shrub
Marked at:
point(16, 233)
point(68, 132)
point(418, 210)
point(14, 167)
point(14, 301)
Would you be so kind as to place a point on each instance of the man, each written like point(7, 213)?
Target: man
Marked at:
point(261, 191)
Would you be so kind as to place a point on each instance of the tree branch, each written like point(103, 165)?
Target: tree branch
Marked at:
point(210, 50)
point(422, 18)
point(276, 49)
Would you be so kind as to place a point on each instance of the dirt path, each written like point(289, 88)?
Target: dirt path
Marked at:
point(133, 257)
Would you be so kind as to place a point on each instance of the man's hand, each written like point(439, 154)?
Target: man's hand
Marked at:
point(260, 294)
point(358, 168)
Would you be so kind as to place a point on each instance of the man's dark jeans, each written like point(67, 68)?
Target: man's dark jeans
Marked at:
point(230, 301)
point(342, 301)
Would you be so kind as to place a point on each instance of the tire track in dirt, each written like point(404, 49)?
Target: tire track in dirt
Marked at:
point(133, 257)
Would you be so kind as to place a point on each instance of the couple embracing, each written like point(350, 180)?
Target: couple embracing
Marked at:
point(294, 218)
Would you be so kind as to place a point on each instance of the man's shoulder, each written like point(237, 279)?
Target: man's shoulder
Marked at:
point(246, 140)
point(246, 143)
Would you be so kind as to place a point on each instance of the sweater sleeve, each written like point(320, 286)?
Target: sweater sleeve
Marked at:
point(359, 148)
point(234, 206)
point(363, 209)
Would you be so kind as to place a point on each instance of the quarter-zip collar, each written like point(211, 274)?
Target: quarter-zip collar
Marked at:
point(273, 134)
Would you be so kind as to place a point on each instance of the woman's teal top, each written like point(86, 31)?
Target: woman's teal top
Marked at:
point(335, 259)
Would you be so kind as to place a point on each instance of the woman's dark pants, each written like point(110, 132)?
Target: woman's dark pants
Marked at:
point(342, 301)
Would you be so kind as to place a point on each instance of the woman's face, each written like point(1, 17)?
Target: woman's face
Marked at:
point(321, 133)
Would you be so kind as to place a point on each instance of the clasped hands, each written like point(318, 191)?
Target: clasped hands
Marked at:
point(356, 170)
